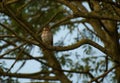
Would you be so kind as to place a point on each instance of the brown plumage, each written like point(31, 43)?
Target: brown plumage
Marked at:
point(47, 36)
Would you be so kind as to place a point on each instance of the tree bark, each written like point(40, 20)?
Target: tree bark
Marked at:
point(52, 62)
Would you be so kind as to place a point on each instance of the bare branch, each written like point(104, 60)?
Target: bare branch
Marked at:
point(29, 76)
point(78, 44)
point(1, 56)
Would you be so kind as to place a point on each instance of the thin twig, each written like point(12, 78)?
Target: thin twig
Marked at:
point(1, 56)
point(103, 75)
point(17, 57)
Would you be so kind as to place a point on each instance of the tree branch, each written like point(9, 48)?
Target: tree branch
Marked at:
point(78, 44)
point(92, 15)
point(29, 76)
point(23, 58)
point(26, 26)
point(103, 75)
point(1, 56)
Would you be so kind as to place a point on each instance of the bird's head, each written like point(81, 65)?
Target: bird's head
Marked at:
point(47, 28)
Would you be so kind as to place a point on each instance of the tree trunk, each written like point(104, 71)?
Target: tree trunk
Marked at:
point(52, 61)
point(118, 74)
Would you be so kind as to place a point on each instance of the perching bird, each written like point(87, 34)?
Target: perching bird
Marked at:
point(47, 36)
point(48, 55)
